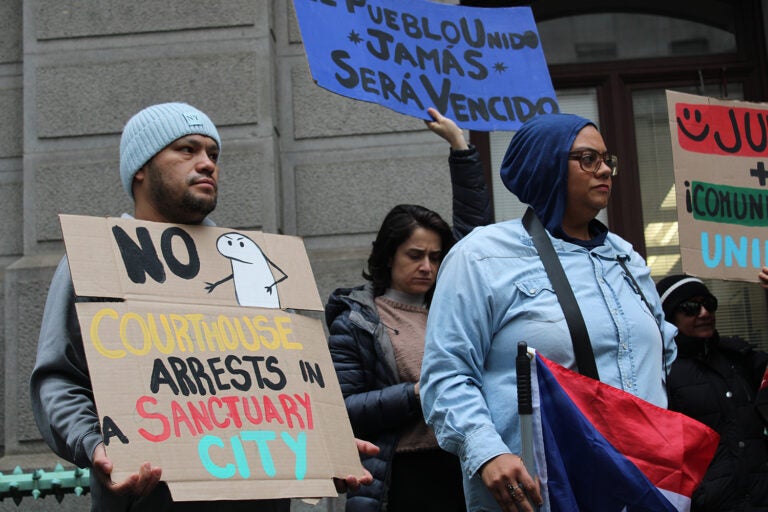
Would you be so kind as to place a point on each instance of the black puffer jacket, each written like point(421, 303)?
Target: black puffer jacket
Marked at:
point(715, 382)
point(379, 406)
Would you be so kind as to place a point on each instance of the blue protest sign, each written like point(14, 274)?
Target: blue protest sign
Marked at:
point(482, 67)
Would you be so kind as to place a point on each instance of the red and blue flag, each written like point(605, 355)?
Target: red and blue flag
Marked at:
point(598, 448)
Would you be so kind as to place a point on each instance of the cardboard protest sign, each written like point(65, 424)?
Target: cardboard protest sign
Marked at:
point(199, 369)
point(484, 68)
point(720, 149)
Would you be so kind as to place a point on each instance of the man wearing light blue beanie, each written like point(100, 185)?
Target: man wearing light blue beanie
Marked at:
point(169, 167)
point(154, 128)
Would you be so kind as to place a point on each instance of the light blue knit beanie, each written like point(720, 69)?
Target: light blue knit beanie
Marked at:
point(152, 129)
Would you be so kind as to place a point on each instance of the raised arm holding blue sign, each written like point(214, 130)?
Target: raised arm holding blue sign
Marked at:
point(484, 68)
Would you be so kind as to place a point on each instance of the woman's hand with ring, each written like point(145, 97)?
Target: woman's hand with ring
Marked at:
point(508, 480)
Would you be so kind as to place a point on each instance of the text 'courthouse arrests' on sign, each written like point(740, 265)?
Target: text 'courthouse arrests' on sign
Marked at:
point(216, 383)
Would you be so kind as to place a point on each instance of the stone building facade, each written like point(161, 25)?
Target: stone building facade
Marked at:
point(296, 159)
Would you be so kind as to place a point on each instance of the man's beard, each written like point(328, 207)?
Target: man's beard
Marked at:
point(198, 204)
point(185, 210)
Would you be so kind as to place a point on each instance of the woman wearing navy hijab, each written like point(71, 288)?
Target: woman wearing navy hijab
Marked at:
point(493, 291)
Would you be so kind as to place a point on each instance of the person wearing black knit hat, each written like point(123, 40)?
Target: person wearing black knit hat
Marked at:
point(715, 380)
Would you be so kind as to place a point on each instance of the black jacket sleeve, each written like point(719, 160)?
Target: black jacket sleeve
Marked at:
point(471, 195)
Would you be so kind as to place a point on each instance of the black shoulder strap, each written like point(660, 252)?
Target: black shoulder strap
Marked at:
point(623, 262)
point(582, 348)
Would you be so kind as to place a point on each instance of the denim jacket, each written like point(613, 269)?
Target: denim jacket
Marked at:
point(492, 292)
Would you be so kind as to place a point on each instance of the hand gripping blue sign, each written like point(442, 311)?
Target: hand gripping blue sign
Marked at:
point(482, 67)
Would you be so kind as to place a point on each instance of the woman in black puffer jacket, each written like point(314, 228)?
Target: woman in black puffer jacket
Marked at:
point(377, 341)
point(715, 380)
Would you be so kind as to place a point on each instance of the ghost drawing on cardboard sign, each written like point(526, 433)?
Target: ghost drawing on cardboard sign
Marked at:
point(254, 283)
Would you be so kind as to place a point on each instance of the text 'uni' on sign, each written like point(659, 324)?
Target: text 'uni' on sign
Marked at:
point(720, 152)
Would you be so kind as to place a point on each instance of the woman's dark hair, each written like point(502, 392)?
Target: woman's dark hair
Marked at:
point(397, 227)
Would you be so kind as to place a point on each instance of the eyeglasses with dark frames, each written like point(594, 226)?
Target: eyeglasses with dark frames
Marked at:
point(693, 307)
point(590, 161)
